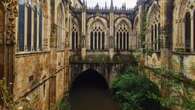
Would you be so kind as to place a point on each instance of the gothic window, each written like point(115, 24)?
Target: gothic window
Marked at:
point(97, 37)
point(32, 39)
point(29, 28)
point(187, 32)
point(155, 36)
point(75, 37)
point(2, 26)
point(122, 37)
point(21, 25)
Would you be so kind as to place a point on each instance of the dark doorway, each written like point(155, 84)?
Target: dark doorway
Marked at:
point(90, 91)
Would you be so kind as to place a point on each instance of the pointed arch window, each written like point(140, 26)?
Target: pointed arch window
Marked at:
point(75, 37)
point(122, 37)
point(97, 37)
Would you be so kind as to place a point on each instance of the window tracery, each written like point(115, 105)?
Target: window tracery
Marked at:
point(97, 37)
point(75, 37)
point(122, 36)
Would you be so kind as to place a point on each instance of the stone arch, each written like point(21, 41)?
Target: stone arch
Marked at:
point(97, 30)
point(123, 29)
point(188, 31)
point(137, 30)
point(153, 11)
point(2, 40)
point(100, 19)
point(124, 20)
point(136, 23)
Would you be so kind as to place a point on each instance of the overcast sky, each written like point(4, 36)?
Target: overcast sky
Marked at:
point(118, 3)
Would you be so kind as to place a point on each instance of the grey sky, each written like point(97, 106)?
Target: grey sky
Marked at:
point(118, 3)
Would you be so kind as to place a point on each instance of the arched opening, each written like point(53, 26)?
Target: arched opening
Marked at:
point(89, 79)
point(122, 37)
point(75, 35)
point(2, 37)
point(187, 32)
point(90, 91)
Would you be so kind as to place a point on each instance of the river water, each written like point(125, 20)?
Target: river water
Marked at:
point(89, 98)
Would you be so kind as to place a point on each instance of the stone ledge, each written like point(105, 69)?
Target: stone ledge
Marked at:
point(23, 54)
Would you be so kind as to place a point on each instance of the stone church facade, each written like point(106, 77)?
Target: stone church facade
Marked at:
point(39, 37)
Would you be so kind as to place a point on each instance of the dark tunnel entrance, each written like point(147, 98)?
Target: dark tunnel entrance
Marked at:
point(90, 91)
point(90, 79)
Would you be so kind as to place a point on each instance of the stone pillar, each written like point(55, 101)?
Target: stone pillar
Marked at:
point(32, 31)
point(83, 34)
point(157, 40)
point(111, 37)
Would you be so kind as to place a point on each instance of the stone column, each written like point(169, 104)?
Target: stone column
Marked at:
point(111, 37)
point(32, 30)
point(83, 35)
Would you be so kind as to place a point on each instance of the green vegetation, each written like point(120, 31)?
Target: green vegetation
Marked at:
point(64, 104)
point(177, 89)
point(134, 91)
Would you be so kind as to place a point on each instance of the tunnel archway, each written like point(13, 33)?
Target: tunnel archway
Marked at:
point(90, 91)
point(89, 79)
